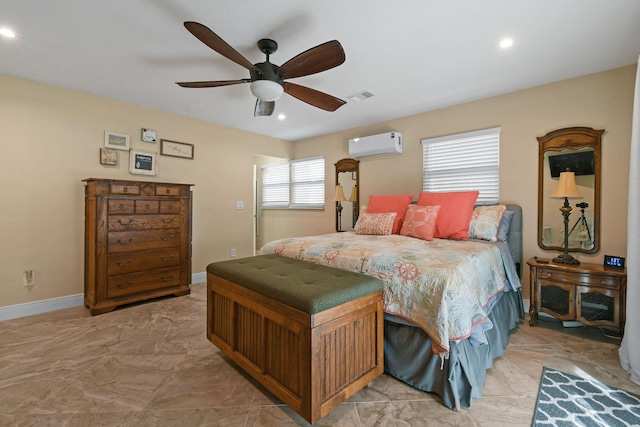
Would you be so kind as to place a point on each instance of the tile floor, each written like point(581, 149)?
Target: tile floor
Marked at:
point(151, 365)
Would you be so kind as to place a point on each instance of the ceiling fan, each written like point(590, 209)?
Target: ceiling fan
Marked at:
point(267, 79)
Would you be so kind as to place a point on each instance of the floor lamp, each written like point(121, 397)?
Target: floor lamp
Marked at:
point(566, 190)
point(339, 198)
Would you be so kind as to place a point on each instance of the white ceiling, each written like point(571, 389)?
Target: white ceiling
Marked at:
point(414, 55)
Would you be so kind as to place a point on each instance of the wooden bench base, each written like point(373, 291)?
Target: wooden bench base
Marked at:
point(310, 362)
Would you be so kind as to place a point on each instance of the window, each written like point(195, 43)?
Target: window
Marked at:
point(463, 162)
point(294, 184)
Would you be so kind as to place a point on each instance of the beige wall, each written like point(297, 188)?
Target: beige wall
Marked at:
point(50, 139)
point(601, 101)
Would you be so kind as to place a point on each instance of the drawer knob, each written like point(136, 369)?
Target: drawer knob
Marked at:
point(125, 189)
point(146, 206)
point(124, 265)
point(125, 285)
point(125, 243)
point(548, 275)
point(167, 221)
point(603, 282)
point(170, 206)
point(121, 206)
point(168, 191)
point(166, 259)
point(167, 238)
point(121, 222)
point(166, 279)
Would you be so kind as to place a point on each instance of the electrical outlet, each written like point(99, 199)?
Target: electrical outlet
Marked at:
point(233, 253)
point(29, 278)
point(239, 205)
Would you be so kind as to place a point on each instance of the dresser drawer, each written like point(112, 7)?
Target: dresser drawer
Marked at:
point(124, 188)
point(128, 262)
point(147, 206)
point(578, 278)
point(142, 222)
point(120, 206)
point(165, 190)
point(127, 284)
point(125, 241)
point(170, 206)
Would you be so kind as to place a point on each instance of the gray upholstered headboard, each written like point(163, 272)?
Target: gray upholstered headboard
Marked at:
point(515, 236)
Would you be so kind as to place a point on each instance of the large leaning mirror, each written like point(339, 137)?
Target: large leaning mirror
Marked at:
point(347, 194)
point(576, 149)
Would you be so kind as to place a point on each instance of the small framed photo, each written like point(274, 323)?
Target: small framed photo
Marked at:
point(108, 156)
point(149, 135)
point(142, 162)
point(119, 141)
point(176, 149)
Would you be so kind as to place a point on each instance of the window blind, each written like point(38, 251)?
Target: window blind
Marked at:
point(275, 185)
point(294, 184)
point(307, 183)
point(463, 162)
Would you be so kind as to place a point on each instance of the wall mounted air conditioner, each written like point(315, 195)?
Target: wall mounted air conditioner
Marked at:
point(385, 143)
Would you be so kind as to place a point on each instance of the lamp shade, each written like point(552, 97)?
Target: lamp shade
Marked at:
point(339, 196)
point(567, 187)
point(354, 194)
point(266, 90)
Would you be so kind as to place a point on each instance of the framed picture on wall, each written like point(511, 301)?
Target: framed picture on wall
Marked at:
point(176, 149)
point(119, 141)
point(108, 156)
point(142, 162)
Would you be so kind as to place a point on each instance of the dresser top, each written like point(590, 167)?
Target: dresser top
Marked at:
point(134, 181)
point(583, 267)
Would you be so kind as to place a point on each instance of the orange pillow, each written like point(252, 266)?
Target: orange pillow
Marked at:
point(420, 222)
point(396, 203)
point(454, 216)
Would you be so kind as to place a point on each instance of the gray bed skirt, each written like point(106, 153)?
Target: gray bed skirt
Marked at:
point(408, 356)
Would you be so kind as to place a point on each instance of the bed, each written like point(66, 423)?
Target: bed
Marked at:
point(450, 305)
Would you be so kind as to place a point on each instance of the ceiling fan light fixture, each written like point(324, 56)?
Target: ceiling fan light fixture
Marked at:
point(266, 90)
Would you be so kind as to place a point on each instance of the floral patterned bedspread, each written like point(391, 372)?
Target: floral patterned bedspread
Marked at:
point(443, 286)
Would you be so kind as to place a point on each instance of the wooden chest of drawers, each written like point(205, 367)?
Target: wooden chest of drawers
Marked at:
point(588, 293)
point(137, 242)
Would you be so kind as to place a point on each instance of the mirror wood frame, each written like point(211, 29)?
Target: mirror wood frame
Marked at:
point(353, 166)
point(575, 138)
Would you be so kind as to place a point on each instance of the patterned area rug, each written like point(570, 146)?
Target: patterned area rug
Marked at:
point(568, 400)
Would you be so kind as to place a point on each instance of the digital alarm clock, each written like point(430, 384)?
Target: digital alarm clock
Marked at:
point(613, 261)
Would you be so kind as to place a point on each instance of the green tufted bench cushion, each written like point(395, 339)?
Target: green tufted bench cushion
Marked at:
point(308, 287)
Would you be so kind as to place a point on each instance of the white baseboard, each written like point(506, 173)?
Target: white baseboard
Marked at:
point(53, 304)
point(42, 306)
point(199, 277)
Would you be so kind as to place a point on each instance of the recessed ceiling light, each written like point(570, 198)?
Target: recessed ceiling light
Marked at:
point(7, 32)
point(281, 117)
point(506, 42)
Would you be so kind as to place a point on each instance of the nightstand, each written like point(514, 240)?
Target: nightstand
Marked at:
point(589, 293)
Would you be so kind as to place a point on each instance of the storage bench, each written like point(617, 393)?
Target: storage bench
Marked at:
point(311, 334)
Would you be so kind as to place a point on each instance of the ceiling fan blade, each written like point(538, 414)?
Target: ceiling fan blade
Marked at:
point(313, 97)
point(264, 108)
point(211, 39)
point(320, 58)
point(214, 83)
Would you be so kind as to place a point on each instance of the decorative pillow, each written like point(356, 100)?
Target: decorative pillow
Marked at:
point(420, 222)
point(485, 221)
point(375, 224)
point(505, 226)
point(396, 203)
point(454, 216)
